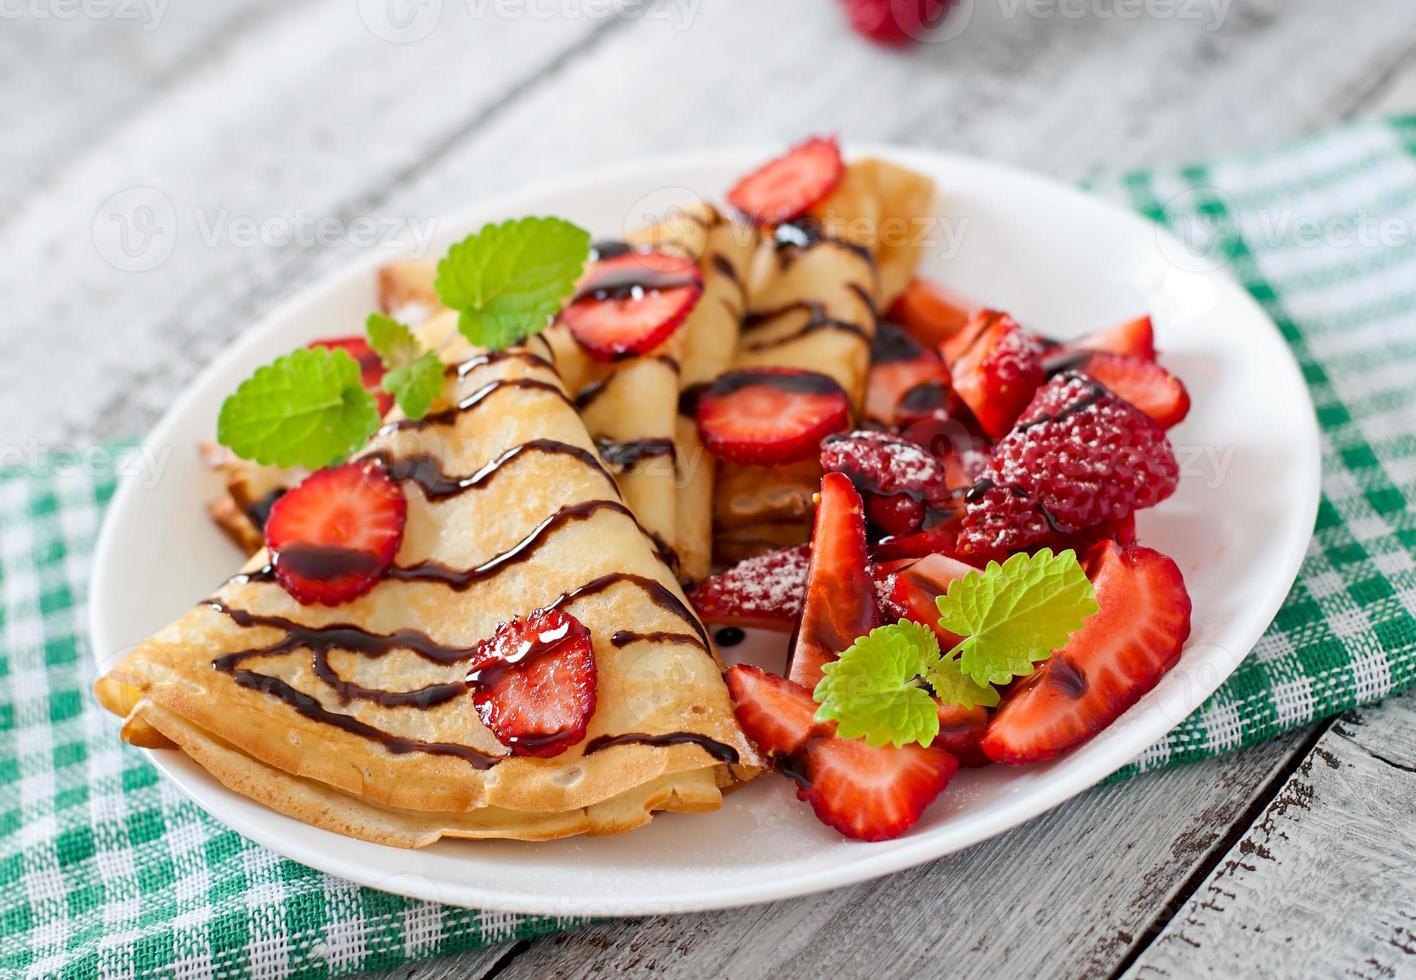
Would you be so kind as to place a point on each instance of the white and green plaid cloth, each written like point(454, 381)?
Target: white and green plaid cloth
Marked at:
point(107, 871)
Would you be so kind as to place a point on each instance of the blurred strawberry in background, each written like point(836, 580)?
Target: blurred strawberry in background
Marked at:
point(895, 22)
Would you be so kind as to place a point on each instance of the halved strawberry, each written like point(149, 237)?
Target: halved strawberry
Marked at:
point(371, 368)
point(996, 366)
point(1118, 655)
point(938, 538)
point(533, 683)
point(770, 415)
point(631, 303)
point(871, 793)
point(1135, 338)
point(335, 534)
point(930, 313)
point(1143, 383)
point(899, 365)
point(777, 714)
point(788, 186)
point(840, 595)
point(916, 589)
point(960, 732)
point(765, 592)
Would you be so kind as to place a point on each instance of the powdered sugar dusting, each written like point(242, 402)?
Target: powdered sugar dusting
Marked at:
point(769, 586)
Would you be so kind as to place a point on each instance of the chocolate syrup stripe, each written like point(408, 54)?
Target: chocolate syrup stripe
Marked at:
point(426, 471)
point(817, 320)
point(624, 456)
point(722, 753)
point(449, 415)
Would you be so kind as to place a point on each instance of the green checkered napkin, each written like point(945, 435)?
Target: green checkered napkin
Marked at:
point(107, 871)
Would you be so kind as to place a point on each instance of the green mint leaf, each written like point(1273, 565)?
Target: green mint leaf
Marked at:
point(392, 341)
point(414, 377)
point(1015, 614)
point(308, 408)
point(873, 692)
point(952, 686)
point(507, 281)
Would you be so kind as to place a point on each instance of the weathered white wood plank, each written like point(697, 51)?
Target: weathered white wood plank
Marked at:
point(1322, 885)
point(1066, 895)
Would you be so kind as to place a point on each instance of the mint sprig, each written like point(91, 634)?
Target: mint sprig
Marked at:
point(508, 280)
point(414, 376)
point(308, 408)
point(1010, 617)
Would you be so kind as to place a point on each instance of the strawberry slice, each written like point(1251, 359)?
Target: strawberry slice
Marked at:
point(764, 592)
point(914, 590)
point(631, 303)
point(770, 415)
point(996, 367)
point(940, 538)
point(961, 731)
point(869, 793)
point(533, 683)
point(930, 313)
point(1135, 338)
point(371, 368)
point(840, 595)
point(1143, 383)
point(777, 714)
point(900, 365)
point(788, 186)
point(1118, 655)
point(333, 536)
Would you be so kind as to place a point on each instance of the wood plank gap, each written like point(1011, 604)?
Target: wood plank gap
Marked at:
point(1202, 871)
point(504, 961)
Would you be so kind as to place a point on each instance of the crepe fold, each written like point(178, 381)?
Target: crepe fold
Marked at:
point(814, 295)
point(355, 718)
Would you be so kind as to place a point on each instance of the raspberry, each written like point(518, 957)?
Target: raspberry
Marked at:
point(896, 514)
point(885, 465)
point(1077, 457)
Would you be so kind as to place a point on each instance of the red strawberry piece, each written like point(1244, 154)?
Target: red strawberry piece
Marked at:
point(631, 303)
point(938, 538)
point(915, 591)
point(1079, 456)
point(765, 592)
point(895, 23)
point(335, 534)
point(770, 415)
point(371, 369)
point(533, 683)
point(900, 365)
point(930, 313)
point(777, 714)
point(961, 732)
point(996, 366)
point(1118, 655)
point(788, 186)
point(1143, 383)
point(879, 463)
point(1135, 338)
point(870, 793)
point(840, 596)
point(895, 515)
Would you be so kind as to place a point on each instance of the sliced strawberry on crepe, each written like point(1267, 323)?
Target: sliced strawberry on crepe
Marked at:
point(631, 303)
point(901, 365)
point(1134, 338)
point(764, 416)
point(764, 592)
point(334, 535)
point(1079, 456)
point(870, 793)
point(1143, 383)
point(777, 714)
point(1118, 655)
point(840, 595)
point(371, 368)
point(930, 313)
point(996, 366)
point(533, 683)
point(788, 186)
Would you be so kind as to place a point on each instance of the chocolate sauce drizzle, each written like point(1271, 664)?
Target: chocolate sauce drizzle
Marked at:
point(426, 471)
point(449, 415)
point(816, 321)
point(624, 456)
point(624, 638)
point(720, 752)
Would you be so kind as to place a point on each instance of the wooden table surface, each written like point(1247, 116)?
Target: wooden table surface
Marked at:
point(229, 134)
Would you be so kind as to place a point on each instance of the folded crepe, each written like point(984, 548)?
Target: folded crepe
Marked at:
point(816, 287)
point(355, 718)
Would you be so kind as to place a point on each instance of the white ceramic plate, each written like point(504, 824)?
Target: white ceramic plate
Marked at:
point(1059, 260)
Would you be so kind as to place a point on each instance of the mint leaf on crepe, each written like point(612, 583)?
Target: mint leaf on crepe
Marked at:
point(508, 280)
point(308, 408)
point(873, 690)
point(414, 376)
point(1015, 614)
